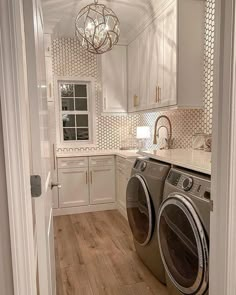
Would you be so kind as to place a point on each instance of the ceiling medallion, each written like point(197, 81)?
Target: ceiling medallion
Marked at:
point(97, 28)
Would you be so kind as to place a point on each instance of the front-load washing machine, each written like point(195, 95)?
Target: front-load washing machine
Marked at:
point(183, 232)
point(144, 196)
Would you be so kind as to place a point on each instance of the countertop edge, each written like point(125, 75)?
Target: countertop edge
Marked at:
point(97, 154)
point(177, 163)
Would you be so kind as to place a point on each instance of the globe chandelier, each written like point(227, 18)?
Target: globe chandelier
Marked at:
point(97, 28)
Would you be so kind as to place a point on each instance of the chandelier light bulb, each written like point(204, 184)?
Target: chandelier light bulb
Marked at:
point(97, 28)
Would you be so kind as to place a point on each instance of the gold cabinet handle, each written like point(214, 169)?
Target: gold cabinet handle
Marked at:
point(86, 177)
point(136, 103)
point(91, 177)
point(105, 102)
point(157, 89)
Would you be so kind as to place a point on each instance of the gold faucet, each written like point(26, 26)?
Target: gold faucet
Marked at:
point(156, 131)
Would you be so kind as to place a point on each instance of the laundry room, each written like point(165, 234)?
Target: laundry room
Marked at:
point(120, 145)
point(130, 100)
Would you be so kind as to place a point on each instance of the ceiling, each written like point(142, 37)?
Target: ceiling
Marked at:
point(59, 15)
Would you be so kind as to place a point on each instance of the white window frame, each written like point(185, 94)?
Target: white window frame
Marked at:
point(91, 100)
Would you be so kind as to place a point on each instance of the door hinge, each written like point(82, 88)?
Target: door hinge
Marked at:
point(211, 205)
point(36, 186)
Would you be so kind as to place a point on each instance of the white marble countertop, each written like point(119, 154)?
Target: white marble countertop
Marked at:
point(196, 160)
point(199, 161)
point(127, 154)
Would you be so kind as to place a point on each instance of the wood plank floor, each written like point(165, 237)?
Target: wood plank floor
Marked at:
point(95, 256)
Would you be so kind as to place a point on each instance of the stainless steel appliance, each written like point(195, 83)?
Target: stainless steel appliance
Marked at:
point(144, 196)
point(183, 232)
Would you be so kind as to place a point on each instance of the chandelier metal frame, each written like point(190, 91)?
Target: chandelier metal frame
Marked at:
point(102, 20)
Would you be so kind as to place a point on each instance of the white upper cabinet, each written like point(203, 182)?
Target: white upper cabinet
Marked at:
point(167, 92)
point(114, 80)
point(133, 76)
point(190, 53)
point(166, 60)
point(156, 62)
point(143, 69)
point(48, 65)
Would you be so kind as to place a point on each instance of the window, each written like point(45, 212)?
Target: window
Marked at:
point(75, 112)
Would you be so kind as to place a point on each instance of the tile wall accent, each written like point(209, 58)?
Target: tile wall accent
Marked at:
point(70, 59)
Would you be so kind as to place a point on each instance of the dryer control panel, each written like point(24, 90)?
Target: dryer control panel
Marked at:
point(190, 182)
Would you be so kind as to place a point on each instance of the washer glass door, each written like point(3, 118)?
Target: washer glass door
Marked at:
point(139, 210)
point(183, 245)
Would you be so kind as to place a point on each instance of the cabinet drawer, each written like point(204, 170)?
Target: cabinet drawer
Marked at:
point(101, 161)
point(80, 162)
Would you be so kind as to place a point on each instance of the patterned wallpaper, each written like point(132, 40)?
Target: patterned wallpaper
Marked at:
point(69, 59)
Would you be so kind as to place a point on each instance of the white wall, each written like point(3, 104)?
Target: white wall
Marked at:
point(6, 279)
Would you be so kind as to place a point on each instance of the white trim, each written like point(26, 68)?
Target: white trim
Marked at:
point(84, 209)
point(91, 111)
point(157, 11)
point(16, 145)
point(223, 227)
point(122, 209)
point(231, 285)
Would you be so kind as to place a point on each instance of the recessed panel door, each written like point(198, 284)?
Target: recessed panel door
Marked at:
point(102, 185)
point(74, 190)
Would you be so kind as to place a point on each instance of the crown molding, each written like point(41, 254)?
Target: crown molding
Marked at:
point(158, 9)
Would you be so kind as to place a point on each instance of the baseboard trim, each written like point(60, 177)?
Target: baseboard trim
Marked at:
point(84, 209)
point(122, 210)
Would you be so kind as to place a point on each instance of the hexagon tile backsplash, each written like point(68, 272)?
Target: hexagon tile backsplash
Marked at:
point(69, 59)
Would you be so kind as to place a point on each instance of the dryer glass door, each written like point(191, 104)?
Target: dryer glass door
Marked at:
point(139, 210)
point(183, 245)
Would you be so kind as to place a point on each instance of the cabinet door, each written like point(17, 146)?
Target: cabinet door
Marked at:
point(102, 185)
point(144, 69)
point(47, 45)
point(168, 95)
point(49, 78)
point(156, 62)
point(133, 76)
point(74, 187)
point(121, 188)
point(114, 80)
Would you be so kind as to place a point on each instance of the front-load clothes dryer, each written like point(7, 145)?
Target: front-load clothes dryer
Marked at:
point(183, 232)
point(143, 197)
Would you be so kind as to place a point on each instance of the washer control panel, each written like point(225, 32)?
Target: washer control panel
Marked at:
point(143, 166)
point(187, 184)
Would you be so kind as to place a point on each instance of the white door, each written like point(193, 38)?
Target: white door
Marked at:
point(102, 185)
point(114, 80)
point(74, 187)
point(40, 146)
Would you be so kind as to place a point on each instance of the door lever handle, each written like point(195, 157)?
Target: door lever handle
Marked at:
point(55, 184)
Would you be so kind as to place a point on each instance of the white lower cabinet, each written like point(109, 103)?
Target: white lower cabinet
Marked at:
point(123, 174)
point(92, 184)
point(74, 187)
point(122, 182)
point(102, 185)
point(86, 181)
